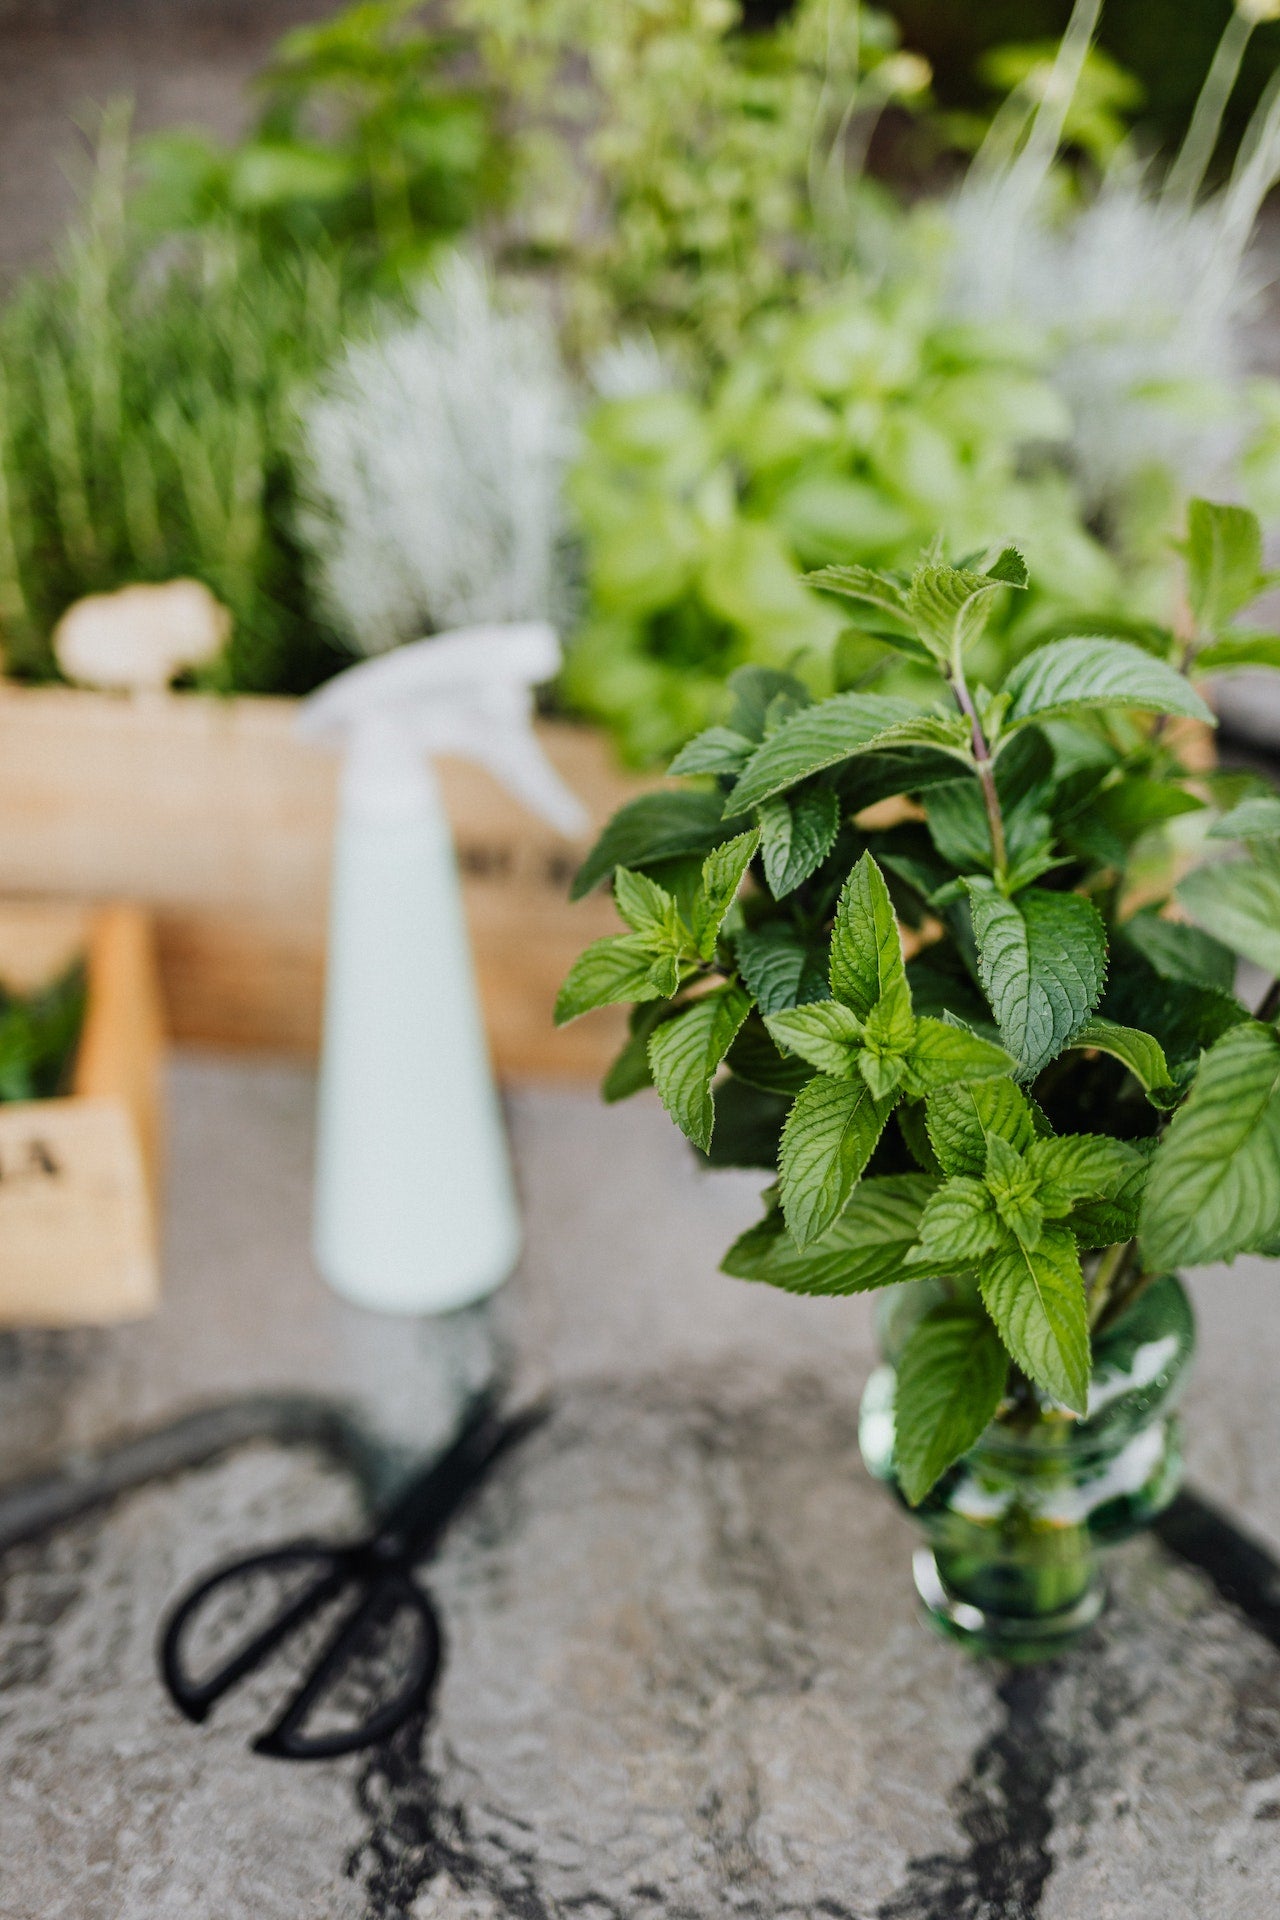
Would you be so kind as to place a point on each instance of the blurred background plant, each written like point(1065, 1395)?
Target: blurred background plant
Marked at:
point(435, 455)
point(370, 141)
point(39, 1034)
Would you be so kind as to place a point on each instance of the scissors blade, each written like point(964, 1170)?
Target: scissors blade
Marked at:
point(435, 1497)
point(284, 1739)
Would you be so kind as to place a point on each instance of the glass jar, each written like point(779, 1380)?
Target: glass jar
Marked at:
point(1011, 1567)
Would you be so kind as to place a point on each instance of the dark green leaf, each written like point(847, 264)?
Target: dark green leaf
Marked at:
point(951, 1379)
point(816, 738)
point(866, 947)
point(780, 967)
point(864, 1248)
point(1042, 958)
point(1036, 1298)
point(630, 1071)
point(655, 827)
point(1179, 952)
point(753, 1057)
point(962, 1119)
point(756, 691)
point(714, 750)
point(828, 1138)
point(798, 831)
point(685, 1054)
point(1140, 1052)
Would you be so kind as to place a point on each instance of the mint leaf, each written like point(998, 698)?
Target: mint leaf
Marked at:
point(714, 750)
point(780, 967)
point(759, 694)
point(1239, 650)
point(957, 1227)
point(797, 834)
point(618, 969)
point(1224, 561)
point(951, 1378)
point(826, 1034)
point(1255, 818)
point(866, 947)
point(655, 827)
point(1179, 952)
point(755, 1058)
point(871, 589)
point(722, 875)
point(949, 606)
point(864, 1248)
point(942, 1054)
point(1140, 1052)
point(1214, 1186)
point(1013, 1186)
point(630, 1072)
point(962, 1119)
point(1042, 959)
point(1079, 1166)
point(1075, 676)
point(829, 1136)
point(1114, 1217)
point(1240, 900)
point(647, 908)
point(1036, 1298)
point(685, 1054)
point(817, 738)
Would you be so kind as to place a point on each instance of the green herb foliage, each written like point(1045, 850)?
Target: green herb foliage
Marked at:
point(39, 1033)
point(1049, 1094)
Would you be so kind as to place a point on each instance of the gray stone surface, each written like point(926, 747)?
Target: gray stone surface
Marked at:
point(685, 1677)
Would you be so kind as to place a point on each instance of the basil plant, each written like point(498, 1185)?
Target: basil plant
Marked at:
point(962, 976)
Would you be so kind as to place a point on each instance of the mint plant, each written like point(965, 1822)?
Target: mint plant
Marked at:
point(977, 1033)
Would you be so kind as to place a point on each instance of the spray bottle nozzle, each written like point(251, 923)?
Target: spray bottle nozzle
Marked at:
point(468, 693)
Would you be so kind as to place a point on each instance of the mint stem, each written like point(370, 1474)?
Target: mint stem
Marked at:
point(985, 770)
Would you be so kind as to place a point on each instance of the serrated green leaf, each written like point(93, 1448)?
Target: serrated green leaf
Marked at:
point(959, 1225)
point(685, 1055)
point(1180, 952)
point(1107, 1221)
point(866, 947)
point(1042, 959)
point(942, 1054)
point(1254, 818)
point(962, 1119)
point(714, 750)
point(1076, 676)
point(817, 738)
point(1239, 650)
point(755, 1058)
point(866, 586)
point(864, 1248)
point(756, 692)
point(630, 1072)
point(949, 606)
point(1240, 900)
point(950, 1381)
point(1214, 1185)
point(826, 1034)
point(798, 831)
point(1224, 561)
point(1013, 1186)
point(722, 874)
point(748, 1126)
point(624, 968)
point(1140, 1052)
point(1036, 1298)
point(1079, 1166)
point(647, 908)
point(655, 827)
point(829, 1136)
point(780, 967)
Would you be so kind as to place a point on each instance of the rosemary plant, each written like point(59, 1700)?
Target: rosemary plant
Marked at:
point(941, 953)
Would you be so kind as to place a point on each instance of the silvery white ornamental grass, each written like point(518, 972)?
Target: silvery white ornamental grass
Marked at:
point(435, 453)
point(1145, 290)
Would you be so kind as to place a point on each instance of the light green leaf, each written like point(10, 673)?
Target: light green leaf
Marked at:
point(1214, 1185)
point(1075, 676)
point(630, 1072)
point(780, 967)
point(1042, 959)
point(1239, 650)
point(949, 606)
point(657, 826)
point(1013, 1186)
point(1140, 1052)
point(1240, 900)
point(942, 1054)
point(1036, 1298)
point(950, 1381)
point(864, 1248)
point(1113, 1218)
point(962, 1119)
point(722, 875)
point(625, 968)
point(863, 584)
point(825, 1034)
point(1224, 561)
point(798, 831)
point(816, 738)
point(957, 1227)
point(866, 947)
point(647, 908)
point(1257, 818)
point(685, 1054)
point(1080, 1166)
point(1179, 952)
point(829, 1136)
point(714, 750)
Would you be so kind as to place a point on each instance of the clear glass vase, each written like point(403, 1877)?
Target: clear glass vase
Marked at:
point(1014, 1529)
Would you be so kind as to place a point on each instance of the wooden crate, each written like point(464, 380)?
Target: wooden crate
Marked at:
point(219, 820)
point(79, 1177)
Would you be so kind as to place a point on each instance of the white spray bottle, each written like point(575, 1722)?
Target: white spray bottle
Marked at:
point(415, 1211)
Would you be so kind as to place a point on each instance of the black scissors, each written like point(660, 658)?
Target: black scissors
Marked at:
point(374, 1575)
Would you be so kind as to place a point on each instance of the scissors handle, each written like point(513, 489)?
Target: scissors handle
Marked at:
point(196, 1697)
